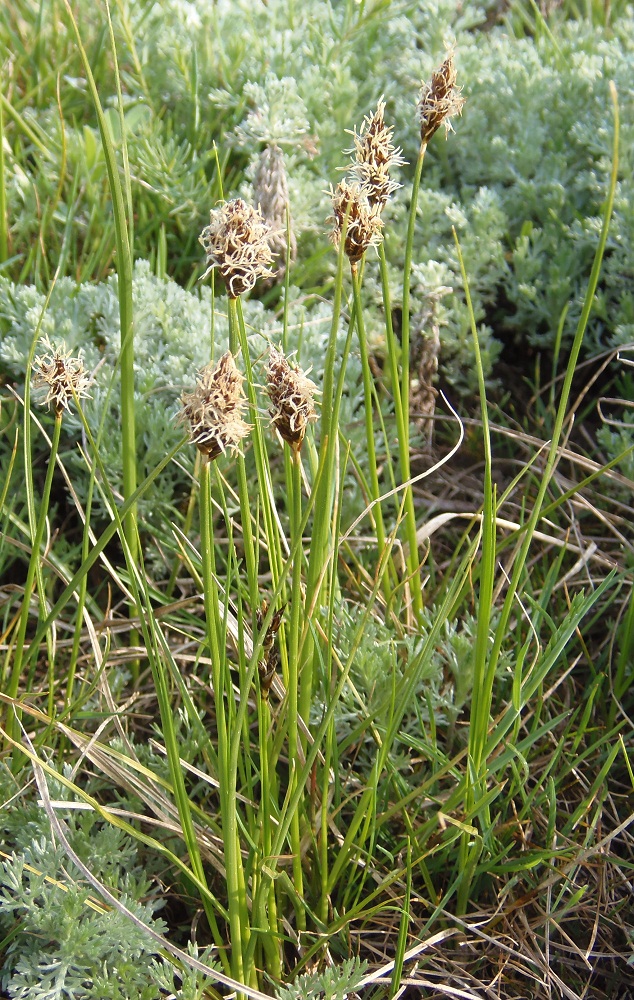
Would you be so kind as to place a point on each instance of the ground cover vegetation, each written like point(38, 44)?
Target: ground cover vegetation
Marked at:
point(316, 452)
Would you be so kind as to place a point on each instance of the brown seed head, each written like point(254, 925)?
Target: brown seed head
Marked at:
point(364, 224)
point(375, 154)
point(61, 375)
point(214, 409)
point(291, 394)
point(439, 100)
point(236, 242)
point(270, 193)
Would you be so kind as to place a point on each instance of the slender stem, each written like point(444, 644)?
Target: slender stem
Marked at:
point(407, 276)
point(369, 428)
point(4, 231)
point(417, 596)
point(238, 915)
point(244, 493)
point(402, 429)
point(122, 227)
point(187, 527)
point(267, 918)
point(83, 587)
point(294, 680)
point(34, 563)
point(553, 454)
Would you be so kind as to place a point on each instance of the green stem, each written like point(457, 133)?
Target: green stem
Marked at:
point(83, 588)
point(294, 679)
point(417, 594)
point(124, 270)
point(369, 428)
point(238, 914)
point(267, 908)
point(402, 429)
point(4, 232)
point(553, 454)
point(34, 563)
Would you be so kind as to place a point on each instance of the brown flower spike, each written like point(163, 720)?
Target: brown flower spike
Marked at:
point(439, 100)
point(270, 194)
point(61, 375)
point(236, 242)
point(375, 154)
point(363, 221)
point(291, 394)
point(214, 409)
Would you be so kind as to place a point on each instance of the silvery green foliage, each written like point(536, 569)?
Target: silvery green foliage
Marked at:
point(379, 665)
point(539, 131)
point(523, 179)
point(57, 945)
point(186, 984)
point(173, 340)
point(336, 983)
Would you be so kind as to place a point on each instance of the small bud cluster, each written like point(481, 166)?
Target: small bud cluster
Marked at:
point(439, 100)
point(236, 242)
point(291, 394)
point(214, 409)
point(62, 376)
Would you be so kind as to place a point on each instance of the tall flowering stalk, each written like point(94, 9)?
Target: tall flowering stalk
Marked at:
point(213, 411)
point(59, 379)
point(357, 212)
point(292, 409)
point(439, 100)
point(237, 243)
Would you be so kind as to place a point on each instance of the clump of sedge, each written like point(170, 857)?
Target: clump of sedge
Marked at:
point(214, 409)
point(291, 394)
point(236, 242)
point(61, 376)
point(439, 100)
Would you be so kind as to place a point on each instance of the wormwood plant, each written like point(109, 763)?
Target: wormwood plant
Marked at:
point(293, 758)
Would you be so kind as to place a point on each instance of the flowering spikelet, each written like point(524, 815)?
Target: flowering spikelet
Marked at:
point(439, 100)
point(214, 409)
point(61, 375)
point(291, 394)
point(270, 194)
point(236, 241)
point(375, 154)
point(364, 224)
